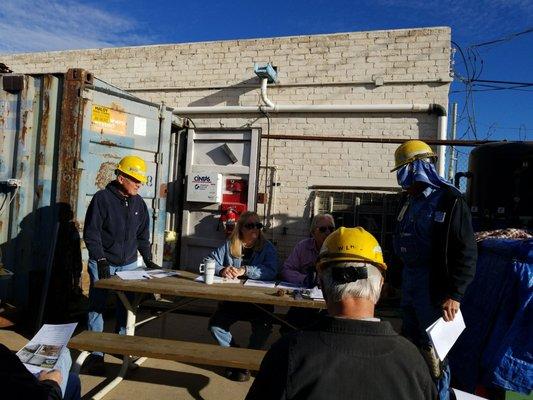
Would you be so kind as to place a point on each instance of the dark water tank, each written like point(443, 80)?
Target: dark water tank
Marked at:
point(500, 189)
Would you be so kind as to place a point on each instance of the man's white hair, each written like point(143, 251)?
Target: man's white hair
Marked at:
point(317, 218)
point(369, 288)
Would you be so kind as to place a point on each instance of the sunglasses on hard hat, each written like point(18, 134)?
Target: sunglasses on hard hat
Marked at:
point(251, 225)
point(325, 229)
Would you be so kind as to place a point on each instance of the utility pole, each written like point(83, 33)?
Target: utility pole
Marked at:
point(453, 154)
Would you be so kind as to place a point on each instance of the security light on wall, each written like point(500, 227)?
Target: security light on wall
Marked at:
point(267, 71)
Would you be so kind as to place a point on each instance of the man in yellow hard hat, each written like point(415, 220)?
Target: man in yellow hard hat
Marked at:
point(117, 226)
point(349, 354)
point(435, 242)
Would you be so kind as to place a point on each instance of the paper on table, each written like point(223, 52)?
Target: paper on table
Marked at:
point(460, 395)
point(444, 334)
point(43, 350)
point(289, 286)
point(314, 293)
point(161, 273)
point(218, 279)
point(133, 275)
point(254, 282)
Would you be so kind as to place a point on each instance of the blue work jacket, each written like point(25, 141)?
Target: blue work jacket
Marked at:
point(263, 264)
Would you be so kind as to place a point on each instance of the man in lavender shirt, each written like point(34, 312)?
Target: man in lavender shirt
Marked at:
point(299, 267)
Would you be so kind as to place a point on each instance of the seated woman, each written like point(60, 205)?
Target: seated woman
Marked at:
point(248, 254)
point(299, 268)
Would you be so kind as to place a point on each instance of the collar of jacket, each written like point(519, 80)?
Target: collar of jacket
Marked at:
point(114, 187)
point(356, 326)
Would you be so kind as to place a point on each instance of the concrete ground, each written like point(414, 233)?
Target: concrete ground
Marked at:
point(160, 379)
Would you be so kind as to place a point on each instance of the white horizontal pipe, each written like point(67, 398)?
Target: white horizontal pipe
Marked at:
point(326, 108)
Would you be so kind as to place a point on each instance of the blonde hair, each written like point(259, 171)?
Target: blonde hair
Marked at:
point(235, 239)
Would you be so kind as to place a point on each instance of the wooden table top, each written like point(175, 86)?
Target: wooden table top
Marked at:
point(184, 285)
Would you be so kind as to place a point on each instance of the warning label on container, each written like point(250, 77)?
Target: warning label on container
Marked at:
point(108, 120)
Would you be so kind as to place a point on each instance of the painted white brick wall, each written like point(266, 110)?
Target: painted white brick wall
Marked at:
point(413, 65)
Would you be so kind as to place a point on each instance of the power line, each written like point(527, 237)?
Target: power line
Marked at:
point(504, 39)
point(503, 82)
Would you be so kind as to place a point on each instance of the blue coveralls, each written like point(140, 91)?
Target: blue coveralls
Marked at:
point(412, 243)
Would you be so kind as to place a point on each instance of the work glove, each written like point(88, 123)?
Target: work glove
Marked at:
point(103, 269)
point(151, 265)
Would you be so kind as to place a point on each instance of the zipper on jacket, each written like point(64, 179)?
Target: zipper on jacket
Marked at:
point(126, 204)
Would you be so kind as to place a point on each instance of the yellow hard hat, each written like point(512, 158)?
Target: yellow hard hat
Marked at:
point(410, 151)
point(133, 166)
point(351, 244)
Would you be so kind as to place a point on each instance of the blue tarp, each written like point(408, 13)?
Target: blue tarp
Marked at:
point(496, 349)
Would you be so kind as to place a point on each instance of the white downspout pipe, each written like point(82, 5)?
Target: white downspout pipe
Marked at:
point(442, 126)
point(264, 97)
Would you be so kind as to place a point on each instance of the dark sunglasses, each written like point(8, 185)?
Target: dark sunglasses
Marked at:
point(251, 225)
point(325, 229)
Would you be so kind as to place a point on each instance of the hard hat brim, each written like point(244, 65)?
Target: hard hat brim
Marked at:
point(331, 259)
point(414, 158)
point(137, 177)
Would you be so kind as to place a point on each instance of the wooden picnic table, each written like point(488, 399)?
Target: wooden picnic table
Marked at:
point(182, 285)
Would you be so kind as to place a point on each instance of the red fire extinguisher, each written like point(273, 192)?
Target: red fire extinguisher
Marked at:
point(228, 220)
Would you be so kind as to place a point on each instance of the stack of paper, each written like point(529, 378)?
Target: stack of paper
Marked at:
point(135, 274)
point(460, 395)
point(290, 286)
point(219, 279)
point(43, 350)
point(265, 284)
point(161, 273)
point(138, 274)
point(314, 293)
point(444, 334)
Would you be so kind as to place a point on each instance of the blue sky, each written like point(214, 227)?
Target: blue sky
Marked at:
point(36, 25)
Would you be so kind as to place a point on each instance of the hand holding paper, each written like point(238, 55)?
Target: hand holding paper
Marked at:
point(444, 334)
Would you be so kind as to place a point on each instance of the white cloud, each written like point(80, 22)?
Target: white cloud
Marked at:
point(44, 25)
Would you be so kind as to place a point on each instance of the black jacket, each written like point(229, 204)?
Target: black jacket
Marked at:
point(454, 249)
point(19, 383)
point(343, 359)
point(116, 227)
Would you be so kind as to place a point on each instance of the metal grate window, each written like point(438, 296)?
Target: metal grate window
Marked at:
point(374, 211)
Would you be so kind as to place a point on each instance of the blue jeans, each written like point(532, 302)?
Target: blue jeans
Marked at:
point(98, 299)
point(73, 388)
point(419, 313)
point(228, 313)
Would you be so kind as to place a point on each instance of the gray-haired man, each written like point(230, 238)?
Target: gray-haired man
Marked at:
point(350, 354)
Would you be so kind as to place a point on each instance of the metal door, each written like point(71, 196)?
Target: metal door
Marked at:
point(207, 151)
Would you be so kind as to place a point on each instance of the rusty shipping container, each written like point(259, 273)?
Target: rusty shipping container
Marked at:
point(61, 136)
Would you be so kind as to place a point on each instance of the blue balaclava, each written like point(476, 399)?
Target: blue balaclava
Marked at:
point(420, 171)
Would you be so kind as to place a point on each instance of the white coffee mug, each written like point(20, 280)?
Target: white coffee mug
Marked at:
point(208, 269)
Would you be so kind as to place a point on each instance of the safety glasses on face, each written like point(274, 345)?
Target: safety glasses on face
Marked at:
point(131, 179)
point(252, 225)
point(325, 229)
